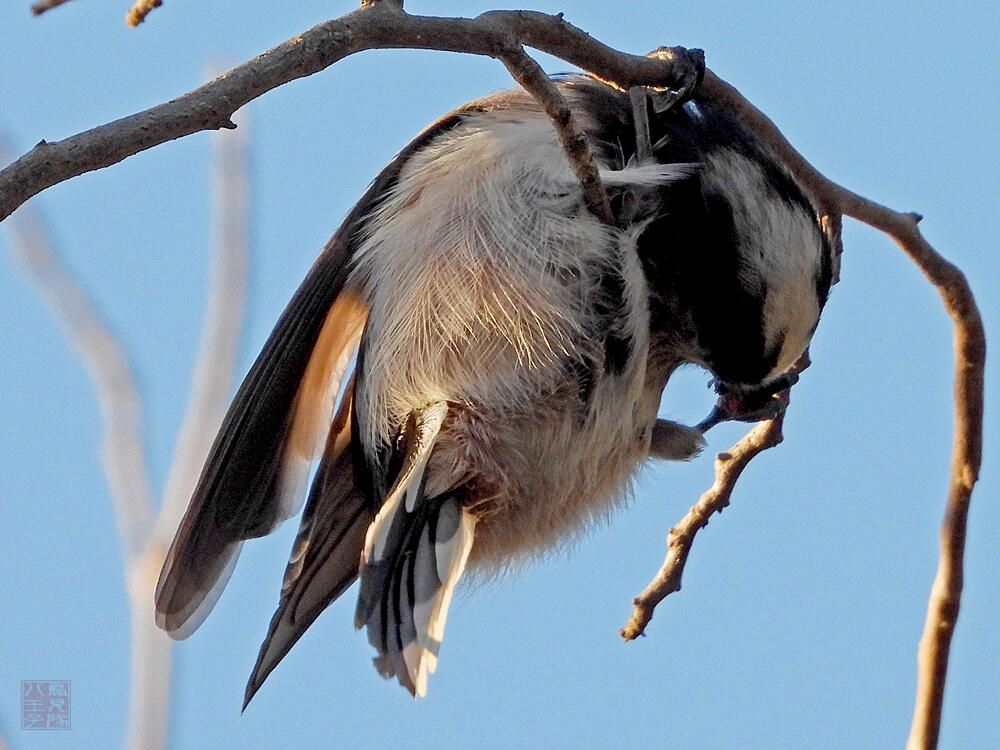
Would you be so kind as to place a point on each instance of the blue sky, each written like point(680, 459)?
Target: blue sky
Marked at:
point(802, 603)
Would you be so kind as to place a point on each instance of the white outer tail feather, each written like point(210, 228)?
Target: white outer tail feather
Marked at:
point(422, 591)
point(429, 617)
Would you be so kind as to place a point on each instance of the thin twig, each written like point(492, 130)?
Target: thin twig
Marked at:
point(729, 467)
point(139, 10)
point(380, 26)
point(122, 454)
point(967, 445)
point(639, 98)
point(533, 79)
point(212, 382)
point(43, 5)
point(210, 390)
point(144, 542)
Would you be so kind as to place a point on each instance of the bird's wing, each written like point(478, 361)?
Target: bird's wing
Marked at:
point(414, 553)
point(257, 467)
point(324, 558)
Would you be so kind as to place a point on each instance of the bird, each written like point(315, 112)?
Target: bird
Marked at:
point(471, 370)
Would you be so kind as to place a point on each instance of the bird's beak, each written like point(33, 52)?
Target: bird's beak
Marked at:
point(739, 404)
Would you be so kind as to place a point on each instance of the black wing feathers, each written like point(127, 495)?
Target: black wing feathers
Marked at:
point(237, 496)
point(324, 558)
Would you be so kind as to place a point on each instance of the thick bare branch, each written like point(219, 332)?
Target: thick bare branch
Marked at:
point(380, 26)
point(150, 664)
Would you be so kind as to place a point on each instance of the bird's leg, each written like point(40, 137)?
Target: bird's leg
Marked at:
point(639, 97)
point(639, 201)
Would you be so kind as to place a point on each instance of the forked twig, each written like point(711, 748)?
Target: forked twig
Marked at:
point(122, 452)
point(728, 468)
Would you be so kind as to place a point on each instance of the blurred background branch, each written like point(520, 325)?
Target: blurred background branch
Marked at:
point(43, 5)
point(144, 531)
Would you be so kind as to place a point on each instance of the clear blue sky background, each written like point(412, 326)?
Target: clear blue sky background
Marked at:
point(802, 604)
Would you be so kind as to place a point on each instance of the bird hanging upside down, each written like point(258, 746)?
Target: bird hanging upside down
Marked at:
point(511, 351)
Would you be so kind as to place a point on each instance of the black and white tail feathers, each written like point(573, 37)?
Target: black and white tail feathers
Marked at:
point(414, 554)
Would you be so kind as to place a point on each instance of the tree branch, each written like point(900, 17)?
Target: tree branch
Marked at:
point(212, 382)
point(122, 456)
point(210, 390)
point(834, 201)
point(380, 26)
point(43, 5)
point(533, 79)
point(729, 467)
point(967, 445)
point(144, 543)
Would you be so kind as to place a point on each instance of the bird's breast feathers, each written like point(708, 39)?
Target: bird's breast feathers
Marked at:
point(491, 286)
